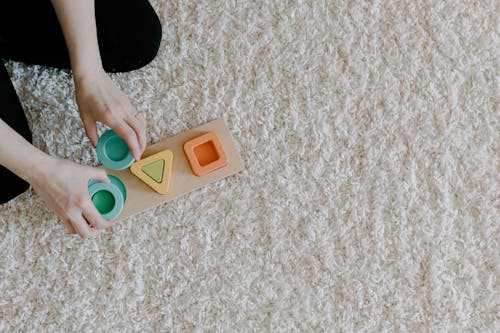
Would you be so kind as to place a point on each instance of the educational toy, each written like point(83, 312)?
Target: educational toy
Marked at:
point(182, 179)
point(205, 153)
point(113, 152)
point(155, 170)
point(108, 198)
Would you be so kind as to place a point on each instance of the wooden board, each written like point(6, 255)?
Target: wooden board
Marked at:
point(182, 180)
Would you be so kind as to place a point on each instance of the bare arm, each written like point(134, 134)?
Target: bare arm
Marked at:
point(77, 19)
point(97, 97)
point(18, 155)
point(62, 184)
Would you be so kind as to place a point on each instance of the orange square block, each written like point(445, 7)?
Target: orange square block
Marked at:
point(205, 153)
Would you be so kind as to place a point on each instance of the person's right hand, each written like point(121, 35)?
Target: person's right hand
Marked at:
point(100, 100)
point(64, 187)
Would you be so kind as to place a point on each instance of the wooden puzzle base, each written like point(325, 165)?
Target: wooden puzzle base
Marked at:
point(182, 179)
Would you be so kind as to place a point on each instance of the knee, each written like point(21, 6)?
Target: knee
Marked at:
point(149, 44)
point(136, 44)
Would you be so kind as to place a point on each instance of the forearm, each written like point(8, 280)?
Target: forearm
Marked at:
point(77, 19)
point(18, 155)
point(98, 99)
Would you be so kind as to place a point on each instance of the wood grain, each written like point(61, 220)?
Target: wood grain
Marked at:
point(141, 197)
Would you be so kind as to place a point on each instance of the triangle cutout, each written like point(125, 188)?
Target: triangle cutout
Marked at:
point(155, 170)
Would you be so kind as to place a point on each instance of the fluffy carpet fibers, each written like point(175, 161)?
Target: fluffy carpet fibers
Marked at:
point(370, 199)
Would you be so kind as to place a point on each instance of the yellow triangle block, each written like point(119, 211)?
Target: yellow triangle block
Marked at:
point(158, 181)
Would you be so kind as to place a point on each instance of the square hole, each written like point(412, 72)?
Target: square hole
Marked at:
point(206, 153)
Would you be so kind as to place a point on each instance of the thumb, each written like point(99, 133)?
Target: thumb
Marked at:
point(98, 174)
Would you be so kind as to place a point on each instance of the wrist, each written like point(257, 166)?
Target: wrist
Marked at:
point(37, 168)
point(84, 71)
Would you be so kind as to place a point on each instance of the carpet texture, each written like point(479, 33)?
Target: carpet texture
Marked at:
point(370, 200)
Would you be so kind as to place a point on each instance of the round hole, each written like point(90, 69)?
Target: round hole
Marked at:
point(116, 148)
point(104, 201)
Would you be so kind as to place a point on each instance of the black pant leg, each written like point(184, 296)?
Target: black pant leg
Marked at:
point(128, 31)
point(129, 34)
point(11, 112)
point(32, 34)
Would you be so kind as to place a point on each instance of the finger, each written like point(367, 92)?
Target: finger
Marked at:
point(90, 130)
point(82, 227)
point(97, 174)
point(128, 134)
point(94, 218)
point(138, 124)
point(69, 227)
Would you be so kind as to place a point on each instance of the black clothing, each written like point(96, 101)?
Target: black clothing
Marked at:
point(128, 32)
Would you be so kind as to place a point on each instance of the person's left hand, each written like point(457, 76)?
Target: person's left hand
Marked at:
point(99, 99)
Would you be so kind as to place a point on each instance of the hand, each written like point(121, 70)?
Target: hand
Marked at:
point(100, 100)
point(64, 187)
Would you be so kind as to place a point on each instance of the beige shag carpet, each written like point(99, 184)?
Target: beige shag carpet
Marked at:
point(370, 202)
